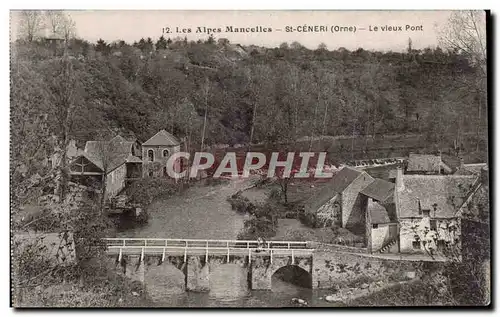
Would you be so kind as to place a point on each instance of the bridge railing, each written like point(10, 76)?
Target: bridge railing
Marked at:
point(185, 247)
point(200, 243)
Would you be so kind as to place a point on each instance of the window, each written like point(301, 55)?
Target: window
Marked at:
point(426, 212)
point(375, 225)
point(151, 155)
point(416, 244)
point(165, 153)
point(165, 171)
point(150, 173)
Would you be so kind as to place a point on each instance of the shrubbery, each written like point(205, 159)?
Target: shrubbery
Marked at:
point(144, 191)
point(263, 223)
point(241, 204)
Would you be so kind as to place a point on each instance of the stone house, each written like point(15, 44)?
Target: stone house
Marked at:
point(156, 151)
point(382, 228)
point(339, 201)
point(426, 208)
point(114, 158)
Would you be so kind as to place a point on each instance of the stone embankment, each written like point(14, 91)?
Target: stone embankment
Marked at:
point(348, 294)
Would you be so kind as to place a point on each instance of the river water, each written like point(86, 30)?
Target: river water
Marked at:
point(202, 212)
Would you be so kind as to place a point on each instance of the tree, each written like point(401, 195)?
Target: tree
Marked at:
point(102, 46)
point(210, 39)
point(161, 44)
point(65, 98)
point(205, 92)
point(30, 24)
point(466, 33)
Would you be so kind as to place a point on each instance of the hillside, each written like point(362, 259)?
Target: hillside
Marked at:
point(268, 95)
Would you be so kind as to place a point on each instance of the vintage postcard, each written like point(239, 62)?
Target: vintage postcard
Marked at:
point(249, 158)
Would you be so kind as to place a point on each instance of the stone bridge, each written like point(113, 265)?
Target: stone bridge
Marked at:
point(198, 261)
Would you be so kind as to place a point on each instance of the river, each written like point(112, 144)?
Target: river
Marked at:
point(202, 212)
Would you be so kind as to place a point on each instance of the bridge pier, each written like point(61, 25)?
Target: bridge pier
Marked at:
point(132, 267)
point(197, 274)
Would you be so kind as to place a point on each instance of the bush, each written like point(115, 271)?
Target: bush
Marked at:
point(257, 227)
point(241, 204)
point(144, 191)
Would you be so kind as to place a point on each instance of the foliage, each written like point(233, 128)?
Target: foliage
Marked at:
point(144, 191)
point(263, 222)
point(241, 204)
point(262, 97)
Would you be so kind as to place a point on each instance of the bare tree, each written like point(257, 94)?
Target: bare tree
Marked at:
point(206, 91)
point(65, 99)
point(465, 32)
point(60, 24)
point(30, 24)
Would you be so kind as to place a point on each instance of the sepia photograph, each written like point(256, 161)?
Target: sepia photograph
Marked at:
point(250, 159)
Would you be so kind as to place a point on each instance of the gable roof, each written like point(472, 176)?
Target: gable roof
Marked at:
point(470, 169)
point(115, 152)
point(377, 213)
point(340, 181)
point(379, 190)
point(162, 138)
point(446, 192)
point(89, 158)
point(475, 207)
point(424, 163)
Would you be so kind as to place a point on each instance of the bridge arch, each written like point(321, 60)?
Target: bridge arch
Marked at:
point(295, 274)
point(163, 279)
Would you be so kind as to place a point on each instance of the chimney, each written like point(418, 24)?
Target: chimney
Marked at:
point(461, 163)
point(399, 179)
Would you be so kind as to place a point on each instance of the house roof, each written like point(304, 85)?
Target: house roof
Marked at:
point(379, 190)
point(340, 181)
point(424, 163)
point(446, 192)
point(470, 169)
point(475, 207)
point(121, 138)
point(114, 152)
point(162, 138)
point(133, 159)
point(377, 212)
point(344, 178)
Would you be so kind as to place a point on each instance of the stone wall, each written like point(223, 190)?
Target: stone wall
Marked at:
point(330, 213)
point(115, 181)
point(263, 269)
point(448, 230)
point(159, 159)
point(382, 235)
point(337, 269)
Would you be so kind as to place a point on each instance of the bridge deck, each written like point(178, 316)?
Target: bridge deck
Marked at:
point(185, 247)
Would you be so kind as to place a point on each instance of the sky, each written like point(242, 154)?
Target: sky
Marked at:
point(131, 25)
